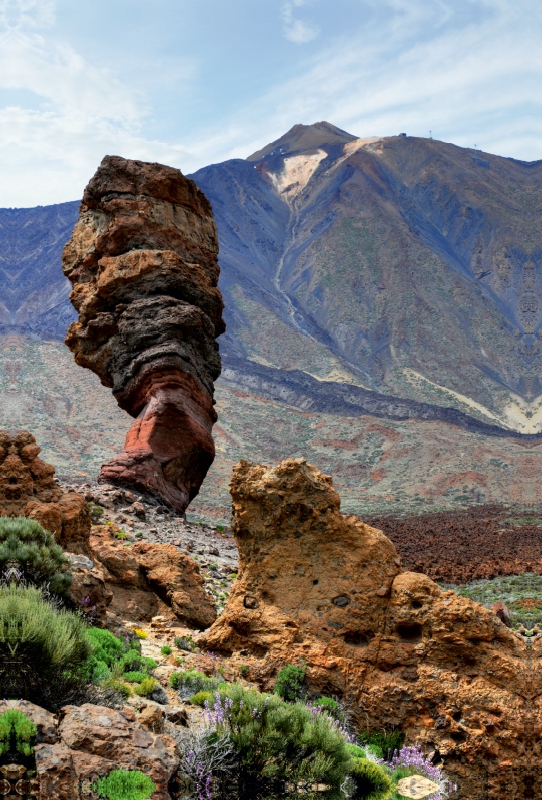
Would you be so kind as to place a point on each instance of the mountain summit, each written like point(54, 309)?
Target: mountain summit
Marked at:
point(301, 138)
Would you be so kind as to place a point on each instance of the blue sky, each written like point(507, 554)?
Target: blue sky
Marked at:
point(193, 82)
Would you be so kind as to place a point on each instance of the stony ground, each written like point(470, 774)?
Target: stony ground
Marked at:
point(138, 517)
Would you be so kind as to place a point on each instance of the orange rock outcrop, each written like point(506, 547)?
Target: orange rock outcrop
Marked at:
point(28, 489)
point(324, 590)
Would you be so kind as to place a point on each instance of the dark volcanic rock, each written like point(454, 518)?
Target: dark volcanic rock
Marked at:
point(143, 264)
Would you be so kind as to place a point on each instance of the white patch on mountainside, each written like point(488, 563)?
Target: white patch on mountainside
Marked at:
point(296, 173)
point(351, 147)
point(416, 379)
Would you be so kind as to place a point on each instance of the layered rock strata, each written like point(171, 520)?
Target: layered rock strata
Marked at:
point(143, 263)
point(28, 489)
point(322, 589)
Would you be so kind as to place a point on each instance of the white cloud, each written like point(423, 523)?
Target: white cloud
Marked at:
point(295, 29)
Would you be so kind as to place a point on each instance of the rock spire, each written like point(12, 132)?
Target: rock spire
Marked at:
point(142, 260)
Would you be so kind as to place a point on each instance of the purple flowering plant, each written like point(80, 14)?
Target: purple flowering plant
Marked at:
point(410, 760)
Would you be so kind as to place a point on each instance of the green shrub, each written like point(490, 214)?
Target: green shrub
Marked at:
point(277, 741)
point(96, 511)
point(14, 725)
point(192, 682)
point(146, 687)
point(382, 743)
point(123, 784)
point(328, 704)
point(106, 650)
point(44, 652)
point(244, 671)
point(135, 677)
point(99, 673)
point(132, 660)
point(116, 685)
point(28, 552)
point(289, 685)
point(185, 643)
point(199, 698)
point(371, 781)
point(166, 650)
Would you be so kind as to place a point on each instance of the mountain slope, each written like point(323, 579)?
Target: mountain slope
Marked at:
point(33, 290)
point(407, 266)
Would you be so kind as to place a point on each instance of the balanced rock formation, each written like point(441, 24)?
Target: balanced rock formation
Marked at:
point(143, 263)
point(325, 590)
point(28, 489)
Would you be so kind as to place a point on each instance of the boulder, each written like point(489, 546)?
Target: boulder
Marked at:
point(147, 579)
point(28, 489)
point(93, 741)
point(324, 590)
point(143, 264)
point(500, 609)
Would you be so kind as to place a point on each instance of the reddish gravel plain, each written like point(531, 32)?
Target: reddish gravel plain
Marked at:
point(458, 547)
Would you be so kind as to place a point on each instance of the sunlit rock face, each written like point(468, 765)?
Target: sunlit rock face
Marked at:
point(143, 264)
point(324, 590)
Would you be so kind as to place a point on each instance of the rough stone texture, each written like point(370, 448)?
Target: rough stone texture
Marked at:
point(324, 589)
point(89, 589)
point(93, 741)
point(151, 579)
point(500, 609)
point(143, 263)
point(28, 489)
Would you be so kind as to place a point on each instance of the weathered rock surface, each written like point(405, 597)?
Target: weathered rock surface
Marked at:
point(143, 263)
point(28, 489)
point(148, 580)
point(322, 589)
point(90, 742)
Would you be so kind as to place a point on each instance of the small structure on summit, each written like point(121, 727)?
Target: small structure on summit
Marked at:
point(143, 263)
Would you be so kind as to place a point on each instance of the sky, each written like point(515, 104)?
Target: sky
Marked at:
point(195, 82)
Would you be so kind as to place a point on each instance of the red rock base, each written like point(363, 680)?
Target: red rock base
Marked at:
point(170, 447)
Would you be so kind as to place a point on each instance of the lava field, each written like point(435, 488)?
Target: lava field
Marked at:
point(457, 547)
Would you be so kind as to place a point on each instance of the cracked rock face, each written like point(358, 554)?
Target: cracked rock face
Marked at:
point(320, 588)
point(143, 264)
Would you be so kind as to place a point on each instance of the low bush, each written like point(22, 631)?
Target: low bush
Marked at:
point(147, 686)
point(200, 698)
point(278, 741)
point(123, 784)
point(135, 677)
point(329, 705)
point(191, 682)
point(30, 554)
point(289, 685)
point(44, 651)
point(185, 643)
point(17, 732)
point(382, 743)
point(166, 650)
point(371, 781)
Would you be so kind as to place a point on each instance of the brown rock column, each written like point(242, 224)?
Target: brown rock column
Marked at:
point(143, 263)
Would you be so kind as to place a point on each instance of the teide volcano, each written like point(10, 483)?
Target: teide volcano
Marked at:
point(406, 266)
